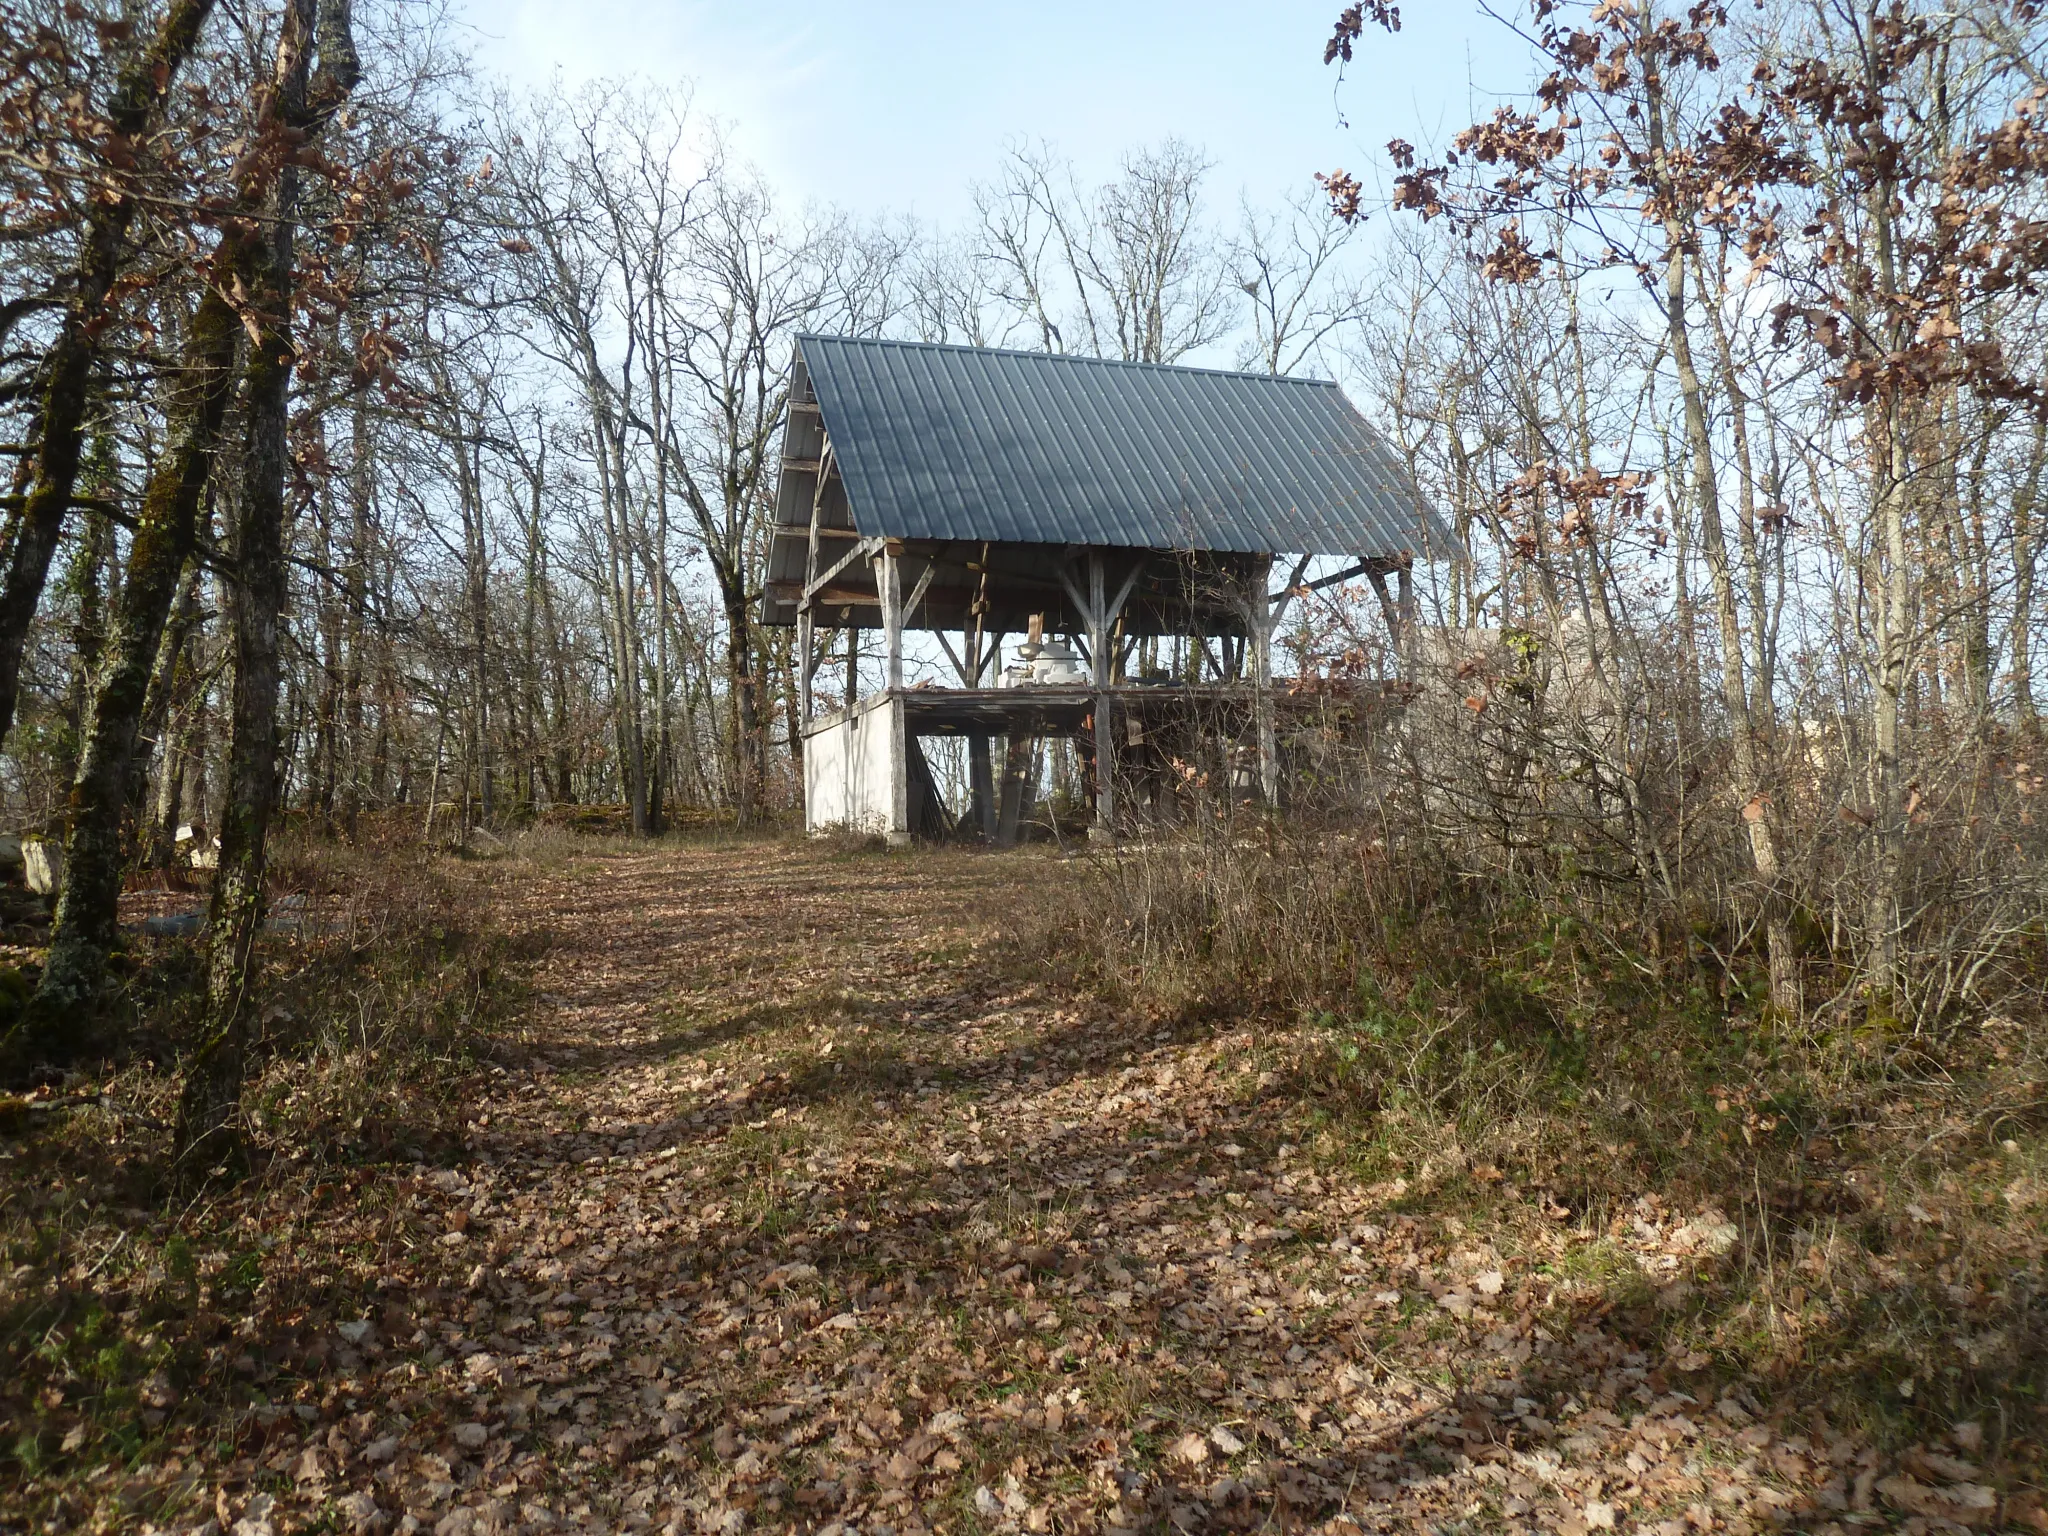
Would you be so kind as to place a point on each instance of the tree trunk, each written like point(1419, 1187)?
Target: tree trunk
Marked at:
point(2025, 558)
point(166, 674)
point(613, 493)
point(558, 673)
point(59, 430)
point(86, 581)
point(356, 587)
point(529, 650)
point(1753, 795)
point(208, 1132)
point(164, 539)
point(748, 771)
point(327, 711)
point(189, 681)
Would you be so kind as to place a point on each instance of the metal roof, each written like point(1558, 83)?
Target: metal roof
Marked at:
point(946, 442)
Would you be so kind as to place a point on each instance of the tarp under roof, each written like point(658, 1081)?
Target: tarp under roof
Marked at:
point(945, 442)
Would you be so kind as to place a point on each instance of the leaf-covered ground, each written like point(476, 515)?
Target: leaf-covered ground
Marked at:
point(802, 1203)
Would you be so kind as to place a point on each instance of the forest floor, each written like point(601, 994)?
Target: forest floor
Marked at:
point(799, 1199)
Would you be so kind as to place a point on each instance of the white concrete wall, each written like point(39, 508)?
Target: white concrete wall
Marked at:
point(854, 774)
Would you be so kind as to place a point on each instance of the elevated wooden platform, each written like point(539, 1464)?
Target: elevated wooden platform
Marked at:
point(1058, 711)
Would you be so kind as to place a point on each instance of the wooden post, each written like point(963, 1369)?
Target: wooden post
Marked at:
point(852, 664)
point(1259, 639)
point(980, 610)
point(1099, 613)
point(1404, 603)
point(804, 668)
point(805, 619)
point(1101, 662)
point(895, 718)
point(1016, 764)
point(982, 783)
point(1397, 607)
point(891, 583)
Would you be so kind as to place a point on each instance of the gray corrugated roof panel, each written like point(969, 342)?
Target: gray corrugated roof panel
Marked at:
point(944, 442)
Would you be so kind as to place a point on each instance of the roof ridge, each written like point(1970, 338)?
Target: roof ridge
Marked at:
point(1063, 357)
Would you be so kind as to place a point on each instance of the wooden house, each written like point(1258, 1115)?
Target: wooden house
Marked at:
point(1060, 524)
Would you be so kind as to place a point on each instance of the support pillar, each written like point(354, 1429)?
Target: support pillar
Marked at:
point(1259, 640)
point(981, 781)
point(889, 578)
point(1396, 606)
point(1016, 766)
point(894, 719)
point(1404, 601)
point(804, 666)
point(1101, 664)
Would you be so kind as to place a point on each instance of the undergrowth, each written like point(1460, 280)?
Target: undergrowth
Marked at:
point(128, 1325)
point(1516, 1064)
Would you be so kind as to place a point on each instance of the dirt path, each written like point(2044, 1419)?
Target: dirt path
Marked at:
point(801, 1212)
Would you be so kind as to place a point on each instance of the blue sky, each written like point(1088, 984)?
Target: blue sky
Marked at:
point(899, 105)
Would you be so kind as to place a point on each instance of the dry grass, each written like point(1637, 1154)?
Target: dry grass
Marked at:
point(384, 1002)
point(1521, 1062)
point(766, 1158)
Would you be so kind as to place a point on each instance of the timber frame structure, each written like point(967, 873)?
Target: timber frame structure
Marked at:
point(997, 498)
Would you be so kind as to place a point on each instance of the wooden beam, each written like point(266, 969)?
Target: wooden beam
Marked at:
point(1359, 568)
point(1277, 602)
point(1123, 594)
point(815, 588)
point(803, 613)
point(917, 592)
point(1074, 595)
point(959, 666)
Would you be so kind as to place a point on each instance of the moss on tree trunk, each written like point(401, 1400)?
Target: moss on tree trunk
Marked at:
point(133, 113)
point(164, 540)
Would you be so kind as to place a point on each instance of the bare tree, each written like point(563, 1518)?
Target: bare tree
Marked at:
point(1131, 270)
point(1295, 268)
point(110, 188)
point(304, 102)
